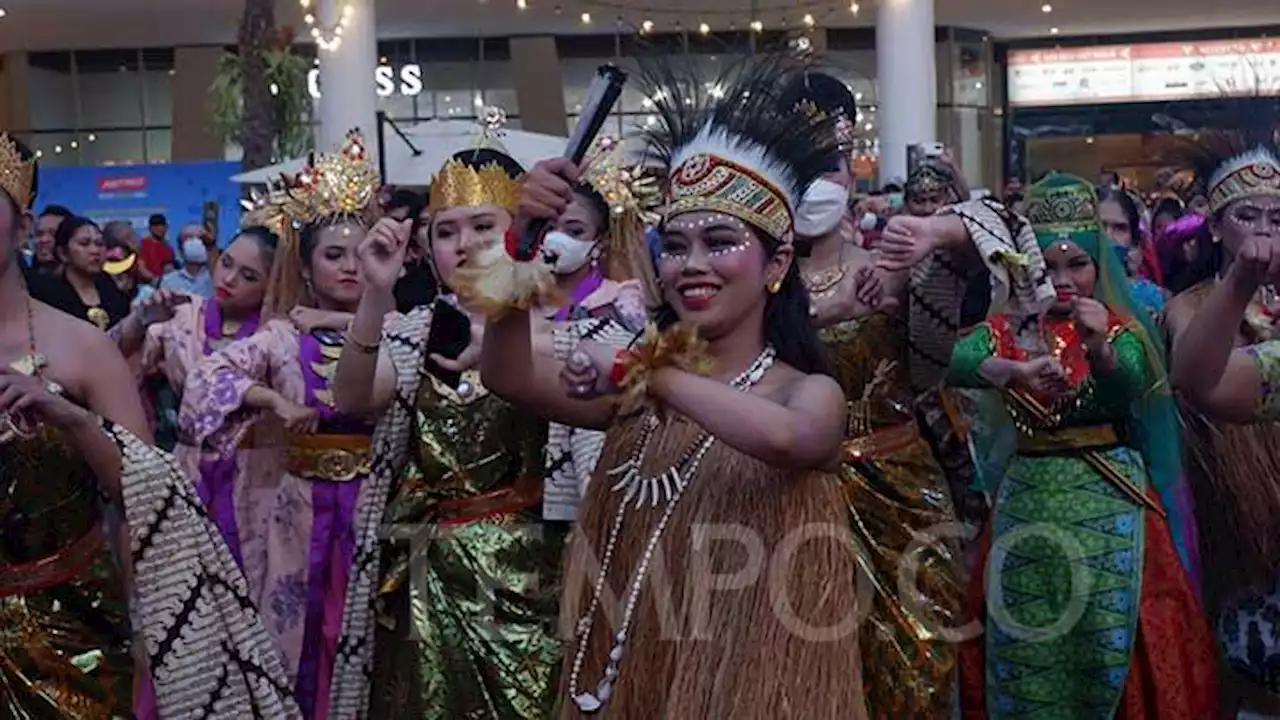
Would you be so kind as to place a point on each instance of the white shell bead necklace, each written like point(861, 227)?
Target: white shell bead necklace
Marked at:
point(667, 486)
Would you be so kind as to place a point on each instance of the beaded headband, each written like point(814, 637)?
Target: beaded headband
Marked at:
point(706, 182)
point(17, 176)
point(927, 178)
point(1256, 172)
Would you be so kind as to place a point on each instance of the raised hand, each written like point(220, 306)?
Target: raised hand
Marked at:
point(1257, 262)
point(906, 241)
point(382, 253)
point(546, 191)
point(1092, 320)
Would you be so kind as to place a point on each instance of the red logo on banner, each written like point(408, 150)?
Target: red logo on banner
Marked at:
point(126, 184)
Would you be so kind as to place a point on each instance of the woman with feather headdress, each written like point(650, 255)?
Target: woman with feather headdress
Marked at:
point(457, 575)
point(291, 516)
point(1225, 341)
point(719, 425)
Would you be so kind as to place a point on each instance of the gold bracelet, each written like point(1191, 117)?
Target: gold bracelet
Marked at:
point(363, 348)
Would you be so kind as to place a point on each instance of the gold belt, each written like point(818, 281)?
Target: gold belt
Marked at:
point(1071, 438)
point(880, 443)
point(333, 458)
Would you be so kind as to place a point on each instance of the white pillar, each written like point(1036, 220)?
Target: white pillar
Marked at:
point(906, 81)
point(348, 94)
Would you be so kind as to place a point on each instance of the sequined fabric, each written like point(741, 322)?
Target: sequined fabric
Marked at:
point(64, 649)
point(470, 584)
point(1266, 363)
point(895, 489)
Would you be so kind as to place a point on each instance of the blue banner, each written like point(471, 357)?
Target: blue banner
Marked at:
point(196, 193)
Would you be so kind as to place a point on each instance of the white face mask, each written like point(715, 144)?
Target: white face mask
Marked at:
point(821, 208)
point(194, 251)
point(570, 254)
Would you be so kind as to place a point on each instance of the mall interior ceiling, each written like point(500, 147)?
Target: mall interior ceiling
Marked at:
point(63, 24)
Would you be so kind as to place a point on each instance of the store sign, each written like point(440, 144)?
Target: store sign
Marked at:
point(126, 186)
point(407, 81)
point(1143, 73)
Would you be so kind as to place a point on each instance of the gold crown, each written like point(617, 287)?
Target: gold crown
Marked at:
point(333, 184)
point(927, 178)
point(460, 185)
point(17, 176)
point(843, 126)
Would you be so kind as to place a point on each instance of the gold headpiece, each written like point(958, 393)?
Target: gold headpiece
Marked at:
point(17, 176)
point(625, 189)
point(266, 209)
point(632, 197)
point(461, 185)
point(845, 134)
point(342, 183)
point(1256, 172)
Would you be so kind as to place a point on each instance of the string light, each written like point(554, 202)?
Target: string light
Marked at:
point(704, 28)
point(854, 8)
point(586, 18)
point(646, 26)
point(1053, 31)
point(757, 26)
point(1046, 8)
point(808, 20)
point(522, 4)
point(332, 39)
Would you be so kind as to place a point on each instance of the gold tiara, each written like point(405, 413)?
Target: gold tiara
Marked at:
point(17, 176)
point(460, 185)
point(928, 178)
point(334, 184)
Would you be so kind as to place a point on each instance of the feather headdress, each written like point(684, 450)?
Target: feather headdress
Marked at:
point(731, 144)
point(1235, 163)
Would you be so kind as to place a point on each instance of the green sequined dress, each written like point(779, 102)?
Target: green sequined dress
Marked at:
point(465, 603)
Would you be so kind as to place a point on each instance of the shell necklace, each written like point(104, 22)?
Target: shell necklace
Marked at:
point(667, 486)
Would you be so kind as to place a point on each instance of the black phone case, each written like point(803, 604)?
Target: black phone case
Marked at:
point(449, 335)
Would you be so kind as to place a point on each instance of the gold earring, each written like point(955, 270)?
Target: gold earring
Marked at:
point(774, 287)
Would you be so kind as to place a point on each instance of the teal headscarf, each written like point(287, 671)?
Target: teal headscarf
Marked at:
point(1065, 207)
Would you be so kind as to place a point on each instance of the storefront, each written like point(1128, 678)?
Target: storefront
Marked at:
point(1091, 108)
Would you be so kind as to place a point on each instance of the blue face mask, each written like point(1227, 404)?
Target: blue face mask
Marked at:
point(194, 251)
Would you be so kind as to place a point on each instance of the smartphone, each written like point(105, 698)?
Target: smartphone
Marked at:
point(922, 153)
point(449, 335)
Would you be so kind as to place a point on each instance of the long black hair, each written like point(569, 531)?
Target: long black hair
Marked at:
point(266, 239)
point(749, 105)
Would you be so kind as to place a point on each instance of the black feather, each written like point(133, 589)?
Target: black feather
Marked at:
point(746, 102)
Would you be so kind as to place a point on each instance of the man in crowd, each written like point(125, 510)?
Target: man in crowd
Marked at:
point(44, 260)
point(156, 255)
point(194, 277)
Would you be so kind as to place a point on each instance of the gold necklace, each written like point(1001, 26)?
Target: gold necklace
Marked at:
point(822, 283)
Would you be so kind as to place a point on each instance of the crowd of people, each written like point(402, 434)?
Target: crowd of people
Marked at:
point(698, 434)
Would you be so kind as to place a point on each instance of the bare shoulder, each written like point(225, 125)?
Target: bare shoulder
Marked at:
point(793, 387)
point(79, 354)
point(1179, 311)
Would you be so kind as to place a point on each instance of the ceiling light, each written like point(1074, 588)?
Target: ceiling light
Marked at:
point(39, 154)
point(1089, 140)
point(586, 18)
point(704, 28)
point(1046, 8)
point(93, 138)
point(854, 8)
point(978, 85)
point(1053, 31)
point(757, 26)
point(383, 60)
point(3, 12)
point(808, 19)
point(57, 149)
point(521, 4)
point(868, 127)
point(646, 26)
